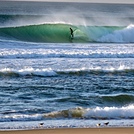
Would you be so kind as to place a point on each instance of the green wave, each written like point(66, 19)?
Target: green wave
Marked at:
point(69, 113)
point(44, 33)
point(59, 33)
point(119, 99)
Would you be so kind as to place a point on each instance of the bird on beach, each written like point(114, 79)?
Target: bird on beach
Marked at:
point(41, 124)
point(106, 123)
point(98, 124)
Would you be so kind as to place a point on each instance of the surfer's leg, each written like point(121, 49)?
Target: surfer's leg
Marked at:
point(72, 36)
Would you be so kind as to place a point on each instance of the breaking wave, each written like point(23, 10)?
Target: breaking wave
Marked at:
point(43, 33)
point(105, 113)
point(60, 33)
point(27, 72)
point(46, 72)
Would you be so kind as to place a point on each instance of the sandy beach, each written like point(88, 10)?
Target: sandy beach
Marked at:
point(73, 130)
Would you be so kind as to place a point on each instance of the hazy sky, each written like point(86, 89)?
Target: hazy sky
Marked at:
point(95, 1)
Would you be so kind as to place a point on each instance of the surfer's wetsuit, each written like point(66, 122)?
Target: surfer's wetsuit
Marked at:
point(72, 35)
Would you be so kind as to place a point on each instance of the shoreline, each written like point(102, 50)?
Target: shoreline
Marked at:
point(106, 130)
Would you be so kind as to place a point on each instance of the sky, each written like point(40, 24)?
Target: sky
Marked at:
point(93, 1)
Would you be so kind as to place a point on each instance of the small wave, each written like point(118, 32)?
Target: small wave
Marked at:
point(95, 113)
point(97, 70)
point(27, 72)
point(101, 113)
point(50, 72)
point(120, 99)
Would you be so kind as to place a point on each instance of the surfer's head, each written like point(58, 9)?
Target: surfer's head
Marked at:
point(71, 30)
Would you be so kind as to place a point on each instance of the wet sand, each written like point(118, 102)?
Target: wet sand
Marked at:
point(73, 131)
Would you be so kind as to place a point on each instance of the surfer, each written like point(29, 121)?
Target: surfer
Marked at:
point(71, 31)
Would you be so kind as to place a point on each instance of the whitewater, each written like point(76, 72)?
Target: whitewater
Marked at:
point(48, 77)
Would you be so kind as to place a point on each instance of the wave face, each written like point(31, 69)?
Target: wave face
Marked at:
point(38, 33)
point(60, 33)
point(42, 33)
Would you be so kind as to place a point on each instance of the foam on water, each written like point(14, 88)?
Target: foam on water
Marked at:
point(123, 35)
point(24, 50)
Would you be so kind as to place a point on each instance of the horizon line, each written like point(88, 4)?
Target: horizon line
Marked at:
point(79, 1)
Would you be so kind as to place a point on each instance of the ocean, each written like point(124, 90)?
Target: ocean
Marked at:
point(50, 80)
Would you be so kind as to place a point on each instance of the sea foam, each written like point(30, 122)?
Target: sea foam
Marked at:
point(124, 35)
